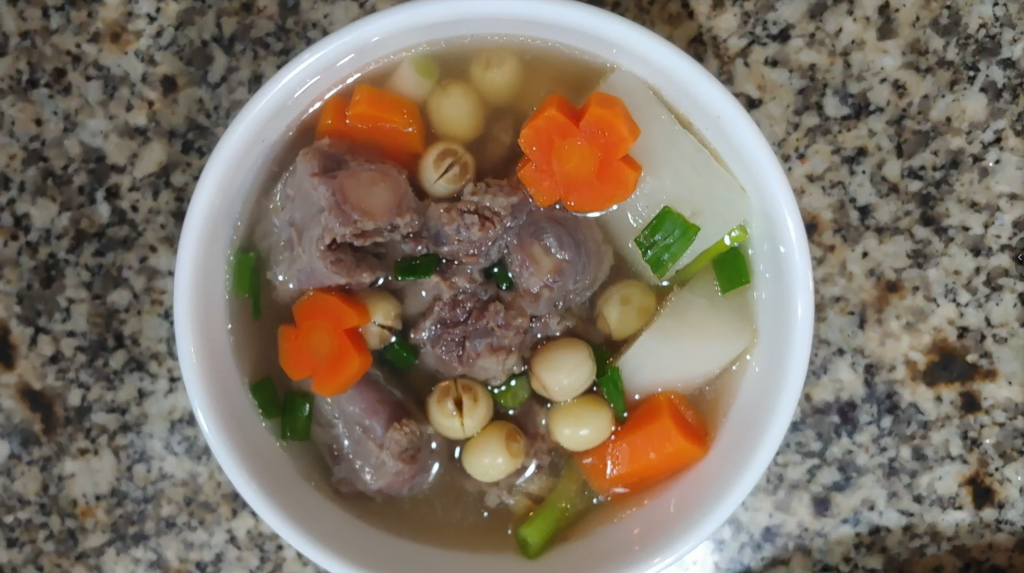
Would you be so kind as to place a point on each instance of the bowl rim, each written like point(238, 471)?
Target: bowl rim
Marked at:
point(187, 322)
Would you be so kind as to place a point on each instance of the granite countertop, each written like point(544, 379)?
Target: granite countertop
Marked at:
point(900, 123)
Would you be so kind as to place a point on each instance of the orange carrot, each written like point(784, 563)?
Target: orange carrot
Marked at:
point(613, 183)
point(579, 156)
point(331, 123)
point(388, 123)
point(344, 365)
point(374, 107)
point(555, 120)
point(607, 124)
point(293, 360)
point(542, 185)
point(663, 436)
point(575, 161)
point(325, 343)
point(334, 306)
point(378, 120)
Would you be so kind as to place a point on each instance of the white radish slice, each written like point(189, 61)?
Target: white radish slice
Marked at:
point(697, 334)
point(677, 171)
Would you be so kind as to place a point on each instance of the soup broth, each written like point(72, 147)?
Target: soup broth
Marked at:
point(452, 510)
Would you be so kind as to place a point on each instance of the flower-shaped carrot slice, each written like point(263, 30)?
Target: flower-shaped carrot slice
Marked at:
point(325, 343)
point(579, 156)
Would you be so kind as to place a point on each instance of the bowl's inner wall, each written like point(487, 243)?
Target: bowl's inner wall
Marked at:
point(663, 524)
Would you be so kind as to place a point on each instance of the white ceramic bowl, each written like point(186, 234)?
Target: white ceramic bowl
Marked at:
point(675, 518)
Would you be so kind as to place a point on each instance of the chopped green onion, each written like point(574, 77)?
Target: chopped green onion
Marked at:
point(513, 393)
point(566, 502)
point(611, 386)
point(413, 268)
point(297, 416)
point(245, 279)
point(498, 273)
point(603, 357)
point(265, 395)
point(245, 262)
point(731, 270)
point(401, 354)
point(609, 381)
point(664, 240)
point(737, 235)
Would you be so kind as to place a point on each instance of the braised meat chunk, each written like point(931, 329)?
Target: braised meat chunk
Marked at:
point(375, 440)
point(473, 230)
point(330, 217)
point(557, 259)
point(473, 333)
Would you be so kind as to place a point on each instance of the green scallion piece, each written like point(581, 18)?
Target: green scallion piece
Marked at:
point(731, 239)
point(297, 416)
point(665, 239)
point(265, 395)
point(498, 274)
point(241, 277)
point(245, 279)
point(731, 270)
point(413, 268)
point(611, 386)
point(513, 393)
point(401, 354)
point(609, 381)
point(603, 357)
point(566, 502)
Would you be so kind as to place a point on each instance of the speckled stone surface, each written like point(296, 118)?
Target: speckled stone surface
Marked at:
point(900, 123)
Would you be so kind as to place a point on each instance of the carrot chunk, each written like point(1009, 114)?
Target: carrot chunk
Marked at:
point(325, 342)
point(388, 120)
point(378, 120)
point(332, 123)
point(579, 156)
point(663, 436)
